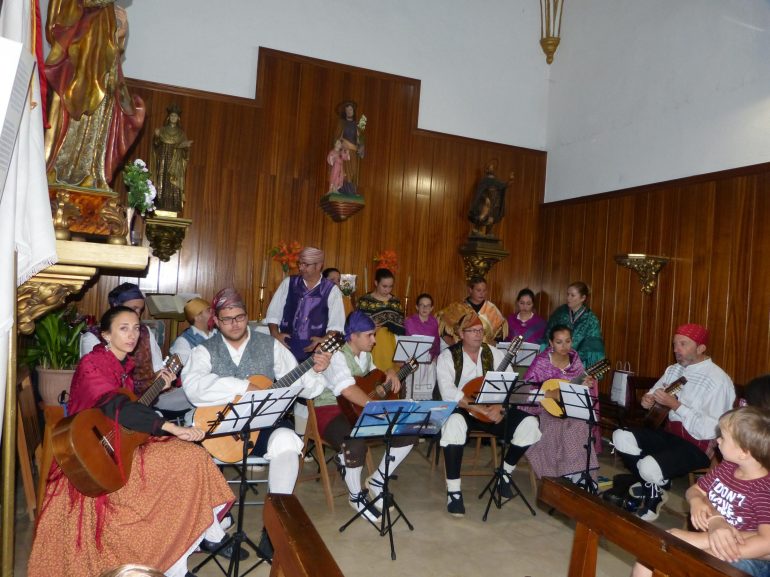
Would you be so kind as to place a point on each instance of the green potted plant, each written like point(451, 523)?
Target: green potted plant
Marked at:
point(54, 352)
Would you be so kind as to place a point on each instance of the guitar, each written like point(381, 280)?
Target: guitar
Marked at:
point(228, 448)
point(658, 413)
point(84, 443)
point(554, 406)
point(471, 388)
point(373, 384)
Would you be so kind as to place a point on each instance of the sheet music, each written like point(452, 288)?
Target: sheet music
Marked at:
point(495, 387)
point(525, 355)
point(577, 400)
point(415, 418)
point(417, 346)
point(274, 402)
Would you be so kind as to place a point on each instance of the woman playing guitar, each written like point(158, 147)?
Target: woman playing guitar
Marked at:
point(561, 450)
point(82, 536)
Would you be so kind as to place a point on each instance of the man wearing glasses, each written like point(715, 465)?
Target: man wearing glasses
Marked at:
point(456, 366)
point(306, 307)
point(219, 368)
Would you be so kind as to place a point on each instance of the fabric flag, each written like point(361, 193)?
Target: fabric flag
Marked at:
point(25, 214)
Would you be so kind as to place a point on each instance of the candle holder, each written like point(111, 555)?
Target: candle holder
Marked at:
point(261, 303)
point(646, 266)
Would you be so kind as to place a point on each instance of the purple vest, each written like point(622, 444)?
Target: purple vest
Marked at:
point(305, 314)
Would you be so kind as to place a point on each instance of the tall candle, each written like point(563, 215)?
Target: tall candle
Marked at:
point(408, 285)
point(264, 273)
point(366, 280)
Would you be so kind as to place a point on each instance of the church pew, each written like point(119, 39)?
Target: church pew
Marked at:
point(652, 546)
point(298, 549)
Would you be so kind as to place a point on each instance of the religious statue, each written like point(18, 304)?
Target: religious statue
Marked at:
point(170, 148)
point(350, 136)
point(488, 206)
point(93, 118)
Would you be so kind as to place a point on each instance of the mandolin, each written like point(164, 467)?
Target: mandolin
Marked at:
point(658, 413)
point(471, 388)
point(555, 406)
point(228, 447)
point(374, 385)
point(84, 443)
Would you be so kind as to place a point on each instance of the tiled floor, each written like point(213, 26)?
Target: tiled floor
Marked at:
point(440, 545)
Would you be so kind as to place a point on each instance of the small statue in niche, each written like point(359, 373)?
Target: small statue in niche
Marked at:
point(350, 135)
point(170, 149)
point(336, 160)
point(488, 206)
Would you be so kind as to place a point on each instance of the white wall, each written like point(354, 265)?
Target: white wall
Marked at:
point(645, 91)
point(482, 71)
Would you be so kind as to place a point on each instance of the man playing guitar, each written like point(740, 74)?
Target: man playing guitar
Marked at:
point(657, 456)
point(460, 363)
point(355, 360)
point(218, 371)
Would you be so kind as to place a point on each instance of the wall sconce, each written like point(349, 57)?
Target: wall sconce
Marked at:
point(550, 27)
point(646, 266)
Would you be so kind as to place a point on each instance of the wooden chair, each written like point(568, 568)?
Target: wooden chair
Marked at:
point(652, 546)
point(312, 435)
point(29, 439)
point(299, 550)
point(52, 414)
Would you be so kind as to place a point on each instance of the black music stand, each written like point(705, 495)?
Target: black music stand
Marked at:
point(389, 419)
point(254, 411)
point(497, 389)
point(579, 404)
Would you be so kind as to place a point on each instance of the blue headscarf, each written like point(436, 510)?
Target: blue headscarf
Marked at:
point(125, 292)
point(358, 322)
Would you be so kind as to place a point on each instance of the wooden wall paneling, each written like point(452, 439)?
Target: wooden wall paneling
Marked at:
point(757, 301)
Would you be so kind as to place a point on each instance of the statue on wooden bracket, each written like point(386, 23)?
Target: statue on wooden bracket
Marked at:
point(488, 205)
point(343, 198)
point(170, 149)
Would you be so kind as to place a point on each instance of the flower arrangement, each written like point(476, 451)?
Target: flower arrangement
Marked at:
point(348, 284)
point(286, 254)
point(141, 190)
point(386, 259)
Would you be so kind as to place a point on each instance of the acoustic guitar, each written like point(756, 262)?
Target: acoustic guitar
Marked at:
point(374, 385)
point(658, 413)
point(471, 388)
point(228, 447)
point(555, 407)
point(85, 448)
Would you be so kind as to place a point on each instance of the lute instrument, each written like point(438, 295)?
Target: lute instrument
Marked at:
point(555, 407)
point(658, 413)
point(374, 385)
point(84, 444)
point(228, 447)
point(471, 388)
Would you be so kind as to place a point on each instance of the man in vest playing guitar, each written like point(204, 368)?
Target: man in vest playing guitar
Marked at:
point(219, 369)
point(456, 366)
point(656, 456)
point(351, 361)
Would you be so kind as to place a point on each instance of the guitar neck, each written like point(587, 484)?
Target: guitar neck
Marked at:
point(294, 375)
point(510, 353)
point(155, 389)
point(404, 372)
point(675, 386)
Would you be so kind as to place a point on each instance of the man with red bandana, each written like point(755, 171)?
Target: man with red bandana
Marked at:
point(687, 440)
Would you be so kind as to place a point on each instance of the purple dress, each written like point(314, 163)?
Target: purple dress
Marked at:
point(533, 329)
point(420, 385)
point(561, 450)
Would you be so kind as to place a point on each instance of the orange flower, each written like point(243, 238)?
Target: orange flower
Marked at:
point(386, 259)
point(286, 254)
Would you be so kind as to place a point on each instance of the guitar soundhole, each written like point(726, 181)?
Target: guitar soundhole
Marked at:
point(104, 442)
point(380, 390)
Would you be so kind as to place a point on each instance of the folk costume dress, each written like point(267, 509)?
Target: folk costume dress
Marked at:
point(561, 450)
point(173, 497)
point(586, 332)
point(389, 318)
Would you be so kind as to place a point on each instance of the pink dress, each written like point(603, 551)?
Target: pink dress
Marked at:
point(561, 451)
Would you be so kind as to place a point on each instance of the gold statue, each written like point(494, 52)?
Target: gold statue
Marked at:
point(113, 215)
point(93, 118)
point(170, 149)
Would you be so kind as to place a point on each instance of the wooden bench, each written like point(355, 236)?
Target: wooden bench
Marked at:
point(665, 554)
point(298, 549)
